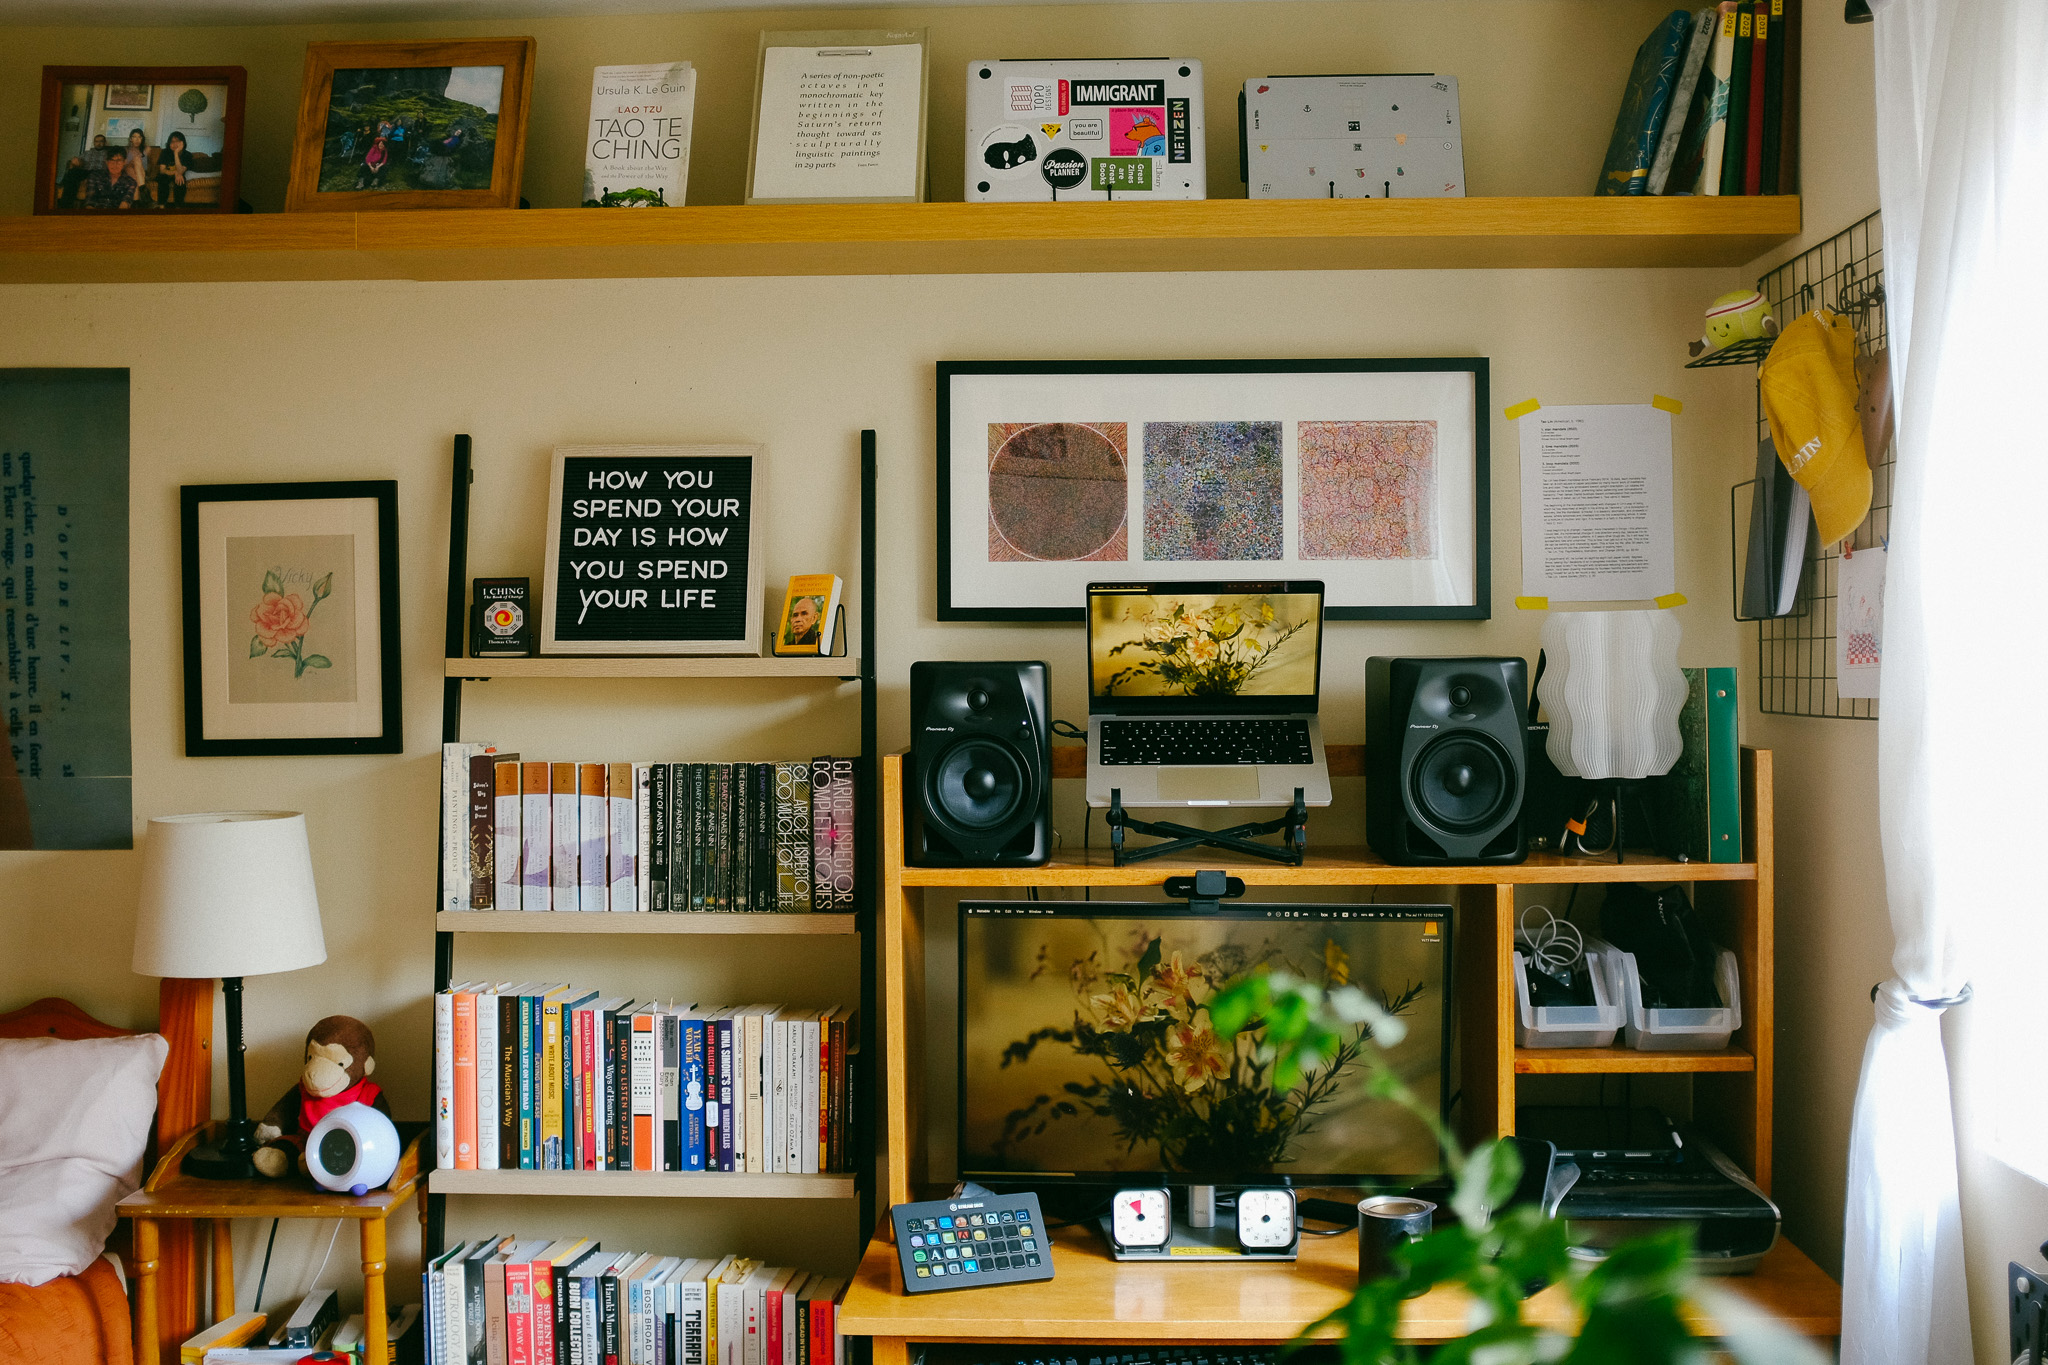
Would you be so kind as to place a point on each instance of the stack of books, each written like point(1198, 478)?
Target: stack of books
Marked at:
point(1712, 105)
point(571, 1302)
point(660, 837)
point(549, 1077)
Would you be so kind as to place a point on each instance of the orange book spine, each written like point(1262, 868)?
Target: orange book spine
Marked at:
point(645, 1152)
point(465, 1080)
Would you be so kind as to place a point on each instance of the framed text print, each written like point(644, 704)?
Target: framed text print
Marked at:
point(1370, 475)
point(291, 618)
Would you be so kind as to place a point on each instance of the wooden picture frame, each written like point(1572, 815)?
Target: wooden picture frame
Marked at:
point(1370, 475)
point(324, 149)
point(671, 523)
point(259, 561)
point(64, 136)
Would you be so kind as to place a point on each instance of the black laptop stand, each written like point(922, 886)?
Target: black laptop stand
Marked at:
point(1292, 827)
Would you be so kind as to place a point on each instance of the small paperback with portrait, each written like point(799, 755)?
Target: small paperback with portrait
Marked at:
point(810, 620)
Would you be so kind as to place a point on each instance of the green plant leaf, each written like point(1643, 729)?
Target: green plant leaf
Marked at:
point(256, 646)
point(272, 583)
point(282, 654)
point(318, 661)
point(1149, 962)
point(1489, 1177)
point(324, 586)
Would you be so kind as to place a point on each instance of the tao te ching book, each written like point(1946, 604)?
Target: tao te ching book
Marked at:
point(637, 155)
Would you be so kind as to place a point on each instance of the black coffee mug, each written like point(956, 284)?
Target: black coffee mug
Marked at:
point(1387, 1221)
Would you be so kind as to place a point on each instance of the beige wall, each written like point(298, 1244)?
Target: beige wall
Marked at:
point(301, 381)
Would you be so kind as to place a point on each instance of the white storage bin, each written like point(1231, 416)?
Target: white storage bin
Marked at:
point(1591, 1025)
point(1672, 1030)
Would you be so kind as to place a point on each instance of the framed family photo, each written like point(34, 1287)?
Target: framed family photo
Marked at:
point(139, 139)
point(291, 618)
point(1370, 475)
point(412, 125)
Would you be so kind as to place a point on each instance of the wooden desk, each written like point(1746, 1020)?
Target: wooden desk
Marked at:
point(170, 1194)
point(1095, 1300)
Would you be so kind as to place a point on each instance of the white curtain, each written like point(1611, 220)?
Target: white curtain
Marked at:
point(1962, 132)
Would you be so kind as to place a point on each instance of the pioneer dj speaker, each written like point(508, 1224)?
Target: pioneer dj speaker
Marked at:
point(1446, 759)
point(978, 778)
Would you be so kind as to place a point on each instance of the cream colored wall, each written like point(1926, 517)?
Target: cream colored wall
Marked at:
point(303, 381)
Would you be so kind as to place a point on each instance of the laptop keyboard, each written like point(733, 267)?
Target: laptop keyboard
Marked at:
point(1129, 743)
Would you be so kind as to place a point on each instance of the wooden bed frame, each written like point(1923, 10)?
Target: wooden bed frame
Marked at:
point(184, 1100)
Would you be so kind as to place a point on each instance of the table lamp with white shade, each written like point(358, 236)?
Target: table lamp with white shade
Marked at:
point(228, 894)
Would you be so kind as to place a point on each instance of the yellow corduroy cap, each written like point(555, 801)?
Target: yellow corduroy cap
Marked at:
point(1808, 386)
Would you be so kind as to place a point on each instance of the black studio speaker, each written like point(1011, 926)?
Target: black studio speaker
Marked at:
point(1446, 762)
point(978, 780)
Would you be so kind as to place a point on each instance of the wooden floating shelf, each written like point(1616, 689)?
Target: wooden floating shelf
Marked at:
point(664, 666)
point(1607, 1061)
point(643, 1184)
point(693, 922)
point(905, 239)
point(1331, 866)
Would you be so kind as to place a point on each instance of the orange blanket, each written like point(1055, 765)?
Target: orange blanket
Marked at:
point(75, 1320)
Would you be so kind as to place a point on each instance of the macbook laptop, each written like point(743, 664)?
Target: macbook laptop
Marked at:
point(1204, 694)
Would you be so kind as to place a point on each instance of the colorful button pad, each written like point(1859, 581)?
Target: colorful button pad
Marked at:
point(970, 1242)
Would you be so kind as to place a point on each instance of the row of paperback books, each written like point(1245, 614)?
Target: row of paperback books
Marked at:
point(501, 1301)
point(530, 835)
point(1712, 105)
point(546, 1077)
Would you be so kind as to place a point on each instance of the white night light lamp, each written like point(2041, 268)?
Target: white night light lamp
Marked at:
point(228, 894)
point(1612, 688)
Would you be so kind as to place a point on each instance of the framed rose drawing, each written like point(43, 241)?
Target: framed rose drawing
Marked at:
point(291, 618)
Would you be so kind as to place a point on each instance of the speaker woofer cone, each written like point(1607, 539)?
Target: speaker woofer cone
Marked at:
point(979, 784)
point(1463, 783)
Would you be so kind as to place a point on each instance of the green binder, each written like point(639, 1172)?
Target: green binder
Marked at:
point(1699, 802)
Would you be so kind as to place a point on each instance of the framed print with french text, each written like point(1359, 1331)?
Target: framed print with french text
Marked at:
point(291, 618)
point(1370, 475)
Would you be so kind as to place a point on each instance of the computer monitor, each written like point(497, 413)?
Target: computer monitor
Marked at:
point(1086, 1055)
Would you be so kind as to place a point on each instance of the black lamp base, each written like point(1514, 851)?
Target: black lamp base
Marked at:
point(231, 1157)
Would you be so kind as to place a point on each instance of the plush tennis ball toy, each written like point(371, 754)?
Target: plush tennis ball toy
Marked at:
point(1739, 315)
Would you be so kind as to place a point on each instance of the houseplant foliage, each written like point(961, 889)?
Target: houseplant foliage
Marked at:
point(1631, 1305)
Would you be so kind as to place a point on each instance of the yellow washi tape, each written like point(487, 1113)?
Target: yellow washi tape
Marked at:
point(1670, 405)
point(1670, 599)
point(1533, 603)
point(1522, 409)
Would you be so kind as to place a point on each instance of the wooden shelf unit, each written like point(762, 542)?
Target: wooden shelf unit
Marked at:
point(905, 239)
point(644, 1184)
point(657, 666)
point(1094, 1300)
point(550, 922)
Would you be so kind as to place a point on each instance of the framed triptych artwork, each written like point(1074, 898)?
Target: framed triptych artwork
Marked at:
point(1370, 475)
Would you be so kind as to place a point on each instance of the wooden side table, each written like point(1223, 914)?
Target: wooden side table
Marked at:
point(171, 1194)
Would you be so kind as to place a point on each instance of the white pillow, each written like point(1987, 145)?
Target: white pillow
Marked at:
point(74, 1117)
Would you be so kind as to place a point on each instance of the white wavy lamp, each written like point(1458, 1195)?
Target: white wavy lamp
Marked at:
point(227, 894)
point(1613, 690)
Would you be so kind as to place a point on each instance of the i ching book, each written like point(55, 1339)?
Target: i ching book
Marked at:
point(637, 150)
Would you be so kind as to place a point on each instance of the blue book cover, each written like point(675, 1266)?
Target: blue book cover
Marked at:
point(693, 1094)
point(1633, 147)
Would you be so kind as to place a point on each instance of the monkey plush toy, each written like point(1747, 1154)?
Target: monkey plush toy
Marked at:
point(340, 1055)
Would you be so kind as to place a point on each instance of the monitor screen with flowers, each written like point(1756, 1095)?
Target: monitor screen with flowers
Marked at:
point(1087, 1052)
point(1205, 646)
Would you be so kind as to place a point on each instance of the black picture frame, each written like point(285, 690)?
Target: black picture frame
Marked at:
point(388, 671)
point(1480, 608)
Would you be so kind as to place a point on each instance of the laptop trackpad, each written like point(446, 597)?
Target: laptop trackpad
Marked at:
point(1237, 783)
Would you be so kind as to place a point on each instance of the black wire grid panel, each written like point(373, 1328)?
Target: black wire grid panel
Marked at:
point(1796, 653)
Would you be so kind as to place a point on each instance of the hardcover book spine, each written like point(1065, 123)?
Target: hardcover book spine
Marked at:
point(691, 1112)
point(659, 846)
point(643, 1082)
point(1717, 112)
point(455, 826)
point(1759, 80)
point(623, 845)
point(444, 1080)
point(506, 856)
point(562, 868)
point(536, 836)
point(643, 864)
point(465, 1080)
point(482, 828)
point(593, 837)
point(1735, 145)
point(486, 1081)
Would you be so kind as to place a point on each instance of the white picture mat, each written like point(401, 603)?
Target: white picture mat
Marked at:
point(222, 719)
point(894, 71)
point(1445, 397)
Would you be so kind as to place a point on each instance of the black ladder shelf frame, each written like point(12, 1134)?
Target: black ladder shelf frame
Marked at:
point(866, 846)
